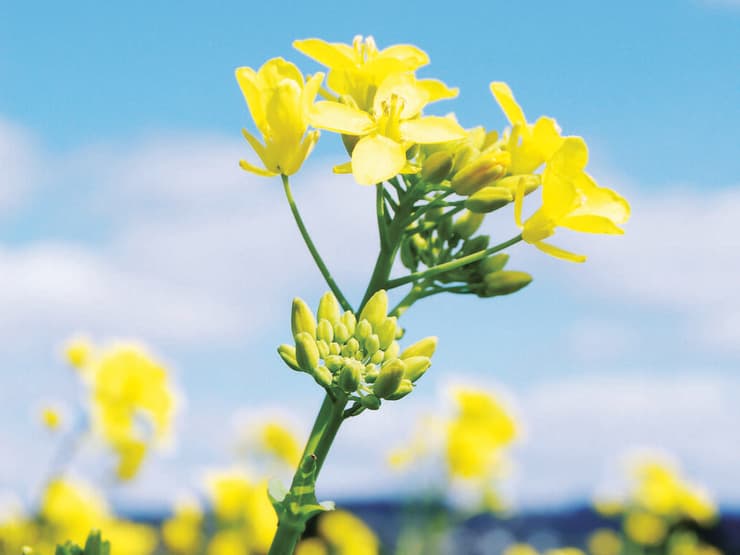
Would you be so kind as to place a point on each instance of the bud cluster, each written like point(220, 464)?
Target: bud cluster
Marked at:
point(357, 356)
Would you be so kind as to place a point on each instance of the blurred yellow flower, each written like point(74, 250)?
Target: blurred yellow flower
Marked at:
point(604, 542)
point(347, 534)
point(77, 351)
point(571, 199)
point(519, 549)
point(387, 129)
point(311, 546)
point(279, 100)
point(51, 418)
point(476, 436)
point(565, 551)
point(645, 528)
point(181, 533)
point(281, 443)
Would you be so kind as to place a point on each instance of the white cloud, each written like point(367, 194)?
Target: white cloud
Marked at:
point(20, 164)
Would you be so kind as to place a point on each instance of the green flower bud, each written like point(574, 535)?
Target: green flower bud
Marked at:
point(372, 344)
point(371, 373)
point(389, 378)
point(419, 244)
point(353, 345)
point(505, 282)
point(287, 353)
point(334, 348)
point(386, 332)
point(463, 157)
point(323, 347)
point(488, 199)
point(494, 263)
point(329, 308)
point(350, 321)
point(334, 362)
point(479, 173)
point(416, 366)
point(531, 182)
point(404, 388)
point(306, 351)
point(364, 329)
point(475, 244)
point(341, 333)
point(422, 348)
point(349, 378)
point(392, 351)
point(302, 319)
point(370, 402)
point(444, 228)
point(378, 357)
point(436, 167)
point(325, 330)
point(408, 258)
point(359, 355)
point(467, 223)
point(376, 309)
point(323, 376)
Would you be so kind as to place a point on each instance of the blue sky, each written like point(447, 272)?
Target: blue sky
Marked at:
point(123, 213)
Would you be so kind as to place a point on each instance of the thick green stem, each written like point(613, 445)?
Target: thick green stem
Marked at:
point(312, 248)
point(451, 265)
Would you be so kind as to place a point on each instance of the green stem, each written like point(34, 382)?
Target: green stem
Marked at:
point(312, 248)
point(451, 265)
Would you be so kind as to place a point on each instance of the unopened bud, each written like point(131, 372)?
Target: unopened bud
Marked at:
point(350, 321)
point(370, 402)
point(372, 344)
point(467, 223)
point(287, 353)
point(505, 282)
point(306, 352)
point(480, 172)
point(392, 351)
point(489, 199)
point(403, 389)
point(531, 182)
point(436, 167)
point(389, 378)
point(416, 367)
point(376, 308)
point(475, 244)
point(323, 376)
point(302, 319)
point(349, 378)
point(334, 348)
point(323, 347)
point(494, 263)
point(408, 257)
point(329, 308)
point(334, 362)
point(422, 348)
point(364, 329)
point(387, 332)
point(325, 330)
point(341, 333)
point(378, 357)
point(371, 373)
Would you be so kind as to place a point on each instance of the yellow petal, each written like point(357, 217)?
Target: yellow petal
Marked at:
point(519, 203)
point(600, 201)
point(505, 98)
point(257, 146)
point(437, 90)
point(546, 134)
point(340, 118)
point(377, 158)
point(557, 252)
point(246, 166)
point(591, 224)
point(332, 55)
point(431, 129)
point(275, 70)
point(343, 168)
point(310, 90)
point(411, 56)
point(248, 83)
point(404, 86)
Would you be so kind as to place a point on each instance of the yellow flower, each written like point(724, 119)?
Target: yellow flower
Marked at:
point(347, 534)
point(279, 441)
point(387, 130)
point(356, 71)
point(77, 351)
point(181, 533)
point(311, 546)
point(51, 418)
point(604, 542)
point(645, 528)
point(476, 436)
point(571, 199)
point(279, 100)
point(520, 549)
point(530, 144)
point(132, 403)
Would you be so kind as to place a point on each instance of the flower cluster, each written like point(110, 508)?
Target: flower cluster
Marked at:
point(355, 356)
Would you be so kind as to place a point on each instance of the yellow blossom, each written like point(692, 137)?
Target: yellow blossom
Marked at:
point(280, 442)
point(604, 542)
point(357, 70)
point(181, 533)
point(311, 546)
point(530, 145)
point(51, 418)
point(476, 436)
point(645, 528)
point(571, 199)
point(520, 549)
point(347, 534)
point(279, 100)
point(77, 351)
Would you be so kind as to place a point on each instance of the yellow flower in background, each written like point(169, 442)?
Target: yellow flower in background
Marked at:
point(181, 533)
point(281, 443)
point(347, 534)
point(132, 401)
point(571, 199)
point(311, 546)
point(520, 549)
point(279, 101)
point(477, 435)
point(242, 505)
point(604, 542)
point(645, 528)
point(77, 351)
point(565, 551)
point(357, 70)
point(530, 145)
point(386, 130)
point(51, 418)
